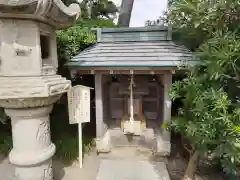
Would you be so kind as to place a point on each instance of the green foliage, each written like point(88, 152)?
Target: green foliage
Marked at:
point(88, 144)
point(95, 9)
point(94, 23)
point(208, 119)
point(74, 39)
point(103, 8)
point(204, 119)
point(221, 56)
point(67, 147)
point(5, 134)
point(209, 115)
point(65, 135)
point(197, 21)
point(3, 116)
point(5, 143)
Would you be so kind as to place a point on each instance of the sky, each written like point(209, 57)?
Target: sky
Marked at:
point(144, 10)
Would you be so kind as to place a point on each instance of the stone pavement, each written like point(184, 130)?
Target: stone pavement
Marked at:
point(102, 168)
point(131, 170)
point(61, 172)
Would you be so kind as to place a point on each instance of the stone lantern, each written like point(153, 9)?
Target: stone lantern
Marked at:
point(29, 85)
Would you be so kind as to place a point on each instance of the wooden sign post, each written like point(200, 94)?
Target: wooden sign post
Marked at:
point(79, 111)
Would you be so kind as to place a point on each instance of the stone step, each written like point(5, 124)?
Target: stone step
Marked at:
point(119, 139)
point(128, 153)
point(132, 153)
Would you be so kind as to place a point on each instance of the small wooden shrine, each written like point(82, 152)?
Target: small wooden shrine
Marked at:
point(133, 70)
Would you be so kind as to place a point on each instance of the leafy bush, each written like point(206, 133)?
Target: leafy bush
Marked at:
point(74, 39)
point(5, 134)
point(209, 114)
point(68, 147)
point(65, 135)
point(5, 143)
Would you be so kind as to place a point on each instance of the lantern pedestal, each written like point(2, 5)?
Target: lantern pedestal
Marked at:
point(32, 147)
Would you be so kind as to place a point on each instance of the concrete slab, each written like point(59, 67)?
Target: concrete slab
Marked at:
point(131, 170)
point(73, 172)
point(6, 170)
point(61, 171)
point(131, 167)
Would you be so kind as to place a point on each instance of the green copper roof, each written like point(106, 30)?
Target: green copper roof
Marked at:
point(147, 47)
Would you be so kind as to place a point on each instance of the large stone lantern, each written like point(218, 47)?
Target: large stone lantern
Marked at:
point(28, 82)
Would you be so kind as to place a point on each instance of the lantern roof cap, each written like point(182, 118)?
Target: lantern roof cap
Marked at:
point(53, 12)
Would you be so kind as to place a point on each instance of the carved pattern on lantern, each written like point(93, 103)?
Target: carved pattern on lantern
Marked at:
point(28, 102)
point(21, 50)
point(18, 49)
point(56, 89)
point(48, 173)
point(43, 134)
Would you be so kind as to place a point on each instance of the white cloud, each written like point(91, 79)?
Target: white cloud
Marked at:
point(144, 10)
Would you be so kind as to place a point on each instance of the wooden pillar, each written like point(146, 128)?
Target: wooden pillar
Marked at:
point(103, 136)
point(167, 105)
point(99, 105)
point(163, 139)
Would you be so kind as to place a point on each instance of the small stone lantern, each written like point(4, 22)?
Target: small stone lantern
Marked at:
point(29, 85)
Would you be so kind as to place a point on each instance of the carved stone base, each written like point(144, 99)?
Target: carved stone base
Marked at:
point(32, 147)
point(103, 144)
point(43, 171)
point(162, 147)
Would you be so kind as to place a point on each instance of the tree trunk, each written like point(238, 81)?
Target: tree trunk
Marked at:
point(125, 13)
point(192, 166)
